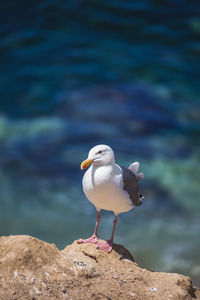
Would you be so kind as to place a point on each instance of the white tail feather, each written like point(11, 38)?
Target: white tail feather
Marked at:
point(134, 167)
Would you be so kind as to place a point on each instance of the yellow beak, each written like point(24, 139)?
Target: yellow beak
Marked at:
point(86, 163)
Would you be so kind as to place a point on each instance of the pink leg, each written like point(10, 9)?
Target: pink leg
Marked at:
point(108, 245)
point(93, 239)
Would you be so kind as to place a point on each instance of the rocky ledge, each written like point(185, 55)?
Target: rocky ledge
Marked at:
point(33, 269)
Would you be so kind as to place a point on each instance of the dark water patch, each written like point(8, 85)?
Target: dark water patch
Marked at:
point(50, 45)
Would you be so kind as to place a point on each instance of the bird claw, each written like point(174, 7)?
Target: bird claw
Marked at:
point(105, 245)
point(92, 240)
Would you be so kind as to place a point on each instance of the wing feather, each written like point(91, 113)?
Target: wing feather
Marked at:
point(131, 186)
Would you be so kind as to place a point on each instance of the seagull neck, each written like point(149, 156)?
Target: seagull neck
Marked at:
point(110, 166)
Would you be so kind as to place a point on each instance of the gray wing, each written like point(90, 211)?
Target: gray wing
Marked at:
point(131, 186)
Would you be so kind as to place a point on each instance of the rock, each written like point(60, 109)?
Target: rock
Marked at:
point(33, 269)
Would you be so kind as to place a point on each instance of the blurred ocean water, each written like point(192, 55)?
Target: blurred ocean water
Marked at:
point(79, 73)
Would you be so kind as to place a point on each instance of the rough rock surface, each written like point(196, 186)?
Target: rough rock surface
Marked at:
point(33, 269)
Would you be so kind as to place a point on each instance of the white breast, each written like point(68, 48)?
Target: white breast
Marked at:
point(103, 186)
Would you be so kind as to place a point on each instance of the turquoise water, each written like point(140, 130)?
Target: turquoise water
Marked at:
point(125, 74)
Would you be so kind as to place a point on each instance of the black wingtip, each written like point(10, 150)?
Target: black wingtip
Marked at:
point(140, 199)
point(141, 196)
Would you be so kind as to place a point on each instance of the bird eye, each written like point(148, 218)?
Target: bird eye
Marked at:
point(100, 152)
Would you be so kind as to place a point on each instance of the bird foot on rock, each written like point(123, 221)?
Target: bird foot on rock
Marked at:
point(92, 240)
point(105, 245)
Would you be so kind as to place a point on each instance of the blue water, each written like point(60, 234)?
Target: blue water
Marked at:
point(75, 74)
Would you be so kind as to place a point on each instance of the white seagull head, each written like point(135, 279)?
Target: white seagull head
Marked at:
point(100, 155)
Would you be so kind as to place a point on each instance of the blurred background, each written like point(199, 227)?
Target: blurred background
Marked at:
point(124, 73)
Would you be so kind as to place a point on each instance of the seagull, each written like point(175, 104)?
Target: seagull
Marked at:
point(111, 187)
